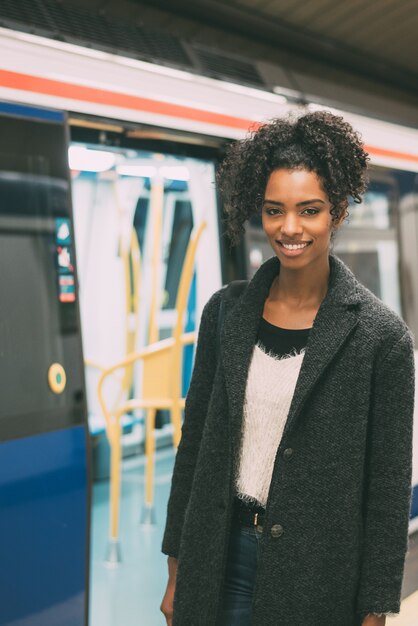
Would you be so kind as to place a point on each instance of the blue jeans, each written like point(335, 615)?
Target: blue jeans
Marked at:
point(241, 568)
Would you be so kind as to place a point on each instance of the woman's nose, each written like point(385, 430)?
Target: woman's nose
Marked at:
point(291, 225)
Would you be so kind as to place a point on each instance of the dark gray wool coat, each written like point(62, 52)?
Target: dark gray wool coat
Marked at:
point(342, 497)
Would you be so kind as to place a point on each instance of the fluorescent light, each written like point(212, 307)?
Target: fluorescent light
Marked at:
point(174, 173)
point(140, 171)
point(85, 160)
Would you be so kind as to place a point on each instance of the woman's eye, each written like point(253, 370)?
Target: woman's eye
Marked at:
point(311, 211)
point(272, 210)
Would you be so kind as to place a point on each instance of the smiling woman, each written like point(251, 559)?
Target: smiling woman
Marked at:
point(297, 221)
point(296, 215)
point(291, 490)
point(318, 142)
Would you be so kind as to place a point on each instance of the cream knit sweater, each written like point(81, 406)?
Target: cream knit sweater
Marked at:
point(270, 388)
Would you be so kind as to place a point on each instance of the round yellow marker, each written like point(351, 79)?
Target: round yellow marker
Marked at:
point(57, 378)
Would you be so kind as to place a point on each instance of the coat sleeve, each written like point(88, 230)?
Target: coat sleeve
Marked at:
point(196, 406)
point(388, 481)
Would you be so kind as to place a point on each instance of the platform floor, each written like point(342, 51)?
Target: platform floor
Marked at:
point(130, 594)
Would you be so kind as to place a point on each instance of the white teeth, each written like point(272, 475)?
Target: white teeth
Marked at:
point(294, 246)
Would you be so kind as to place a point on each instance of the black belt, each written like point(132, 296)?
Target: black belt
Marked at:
point(248, 514)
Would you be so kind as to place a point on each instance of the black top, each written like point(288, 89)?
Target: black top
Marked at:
point(281, 341)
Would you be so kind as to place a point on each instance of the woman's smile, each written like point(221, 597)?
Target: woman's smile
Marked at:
point(293, 249)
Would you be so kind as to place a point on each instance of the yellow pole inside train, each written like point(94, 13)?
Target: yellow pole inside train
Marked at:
point(156, 211)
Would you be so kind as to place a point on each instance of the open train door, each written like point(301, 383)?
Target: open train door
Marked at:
point(44, 470)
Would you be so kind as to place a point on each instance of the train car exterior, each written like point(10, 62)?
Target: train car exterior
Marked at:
point(97, 87)
point(44, 442)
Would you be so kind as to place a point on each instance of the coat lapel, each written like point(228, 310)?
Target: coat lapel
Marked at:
point(239, 335)
point(335, 320)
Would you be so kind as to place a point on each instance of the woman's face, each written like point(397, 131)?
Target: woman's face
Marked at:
point(296, 218)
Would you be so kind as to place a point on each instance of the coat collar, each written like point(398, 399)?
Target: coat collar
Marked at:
point(335, 320)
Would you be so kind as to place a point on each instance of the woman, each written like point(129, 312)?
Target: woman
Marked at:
point(291, 489)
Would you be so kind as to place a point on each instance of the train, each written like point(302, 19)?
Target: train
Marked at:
point(129, 123)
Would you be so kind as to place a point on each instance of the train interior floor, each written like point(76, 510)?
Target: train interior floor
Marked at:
point(130, 594)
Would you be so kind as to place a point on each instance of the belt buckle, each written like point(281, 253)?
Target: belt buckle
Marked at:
point(257, 526)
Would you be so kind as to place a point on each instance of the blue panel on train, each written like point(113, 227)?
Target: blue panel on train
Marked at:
point(21, 110)
point(43, 529)
point(414, 502)
point(189, 327)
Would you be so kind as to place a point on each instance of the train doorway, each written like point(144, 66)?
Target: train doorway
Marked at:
point(135, 210)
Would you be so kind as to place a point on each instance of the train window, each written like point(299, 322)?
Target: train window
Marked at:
point(375, 211)
point(368, 242)
point(182, 227)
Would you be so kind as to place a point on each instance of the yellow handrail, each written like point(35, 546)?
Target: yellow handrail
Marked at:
point(159, 358)
point(181, 304)
point(95, 364)
point(159, 346)
point(156, 211)
point(132, 266)
point(113, 426)
point(136, 271)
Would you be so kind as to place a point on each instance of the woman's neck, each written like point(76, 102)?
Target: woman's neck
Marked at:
point(296, 295)
point(301, 288)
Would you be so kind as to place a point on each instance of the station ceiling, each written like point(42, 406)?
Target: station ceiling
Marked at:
point(373, 39)
point(383, 30)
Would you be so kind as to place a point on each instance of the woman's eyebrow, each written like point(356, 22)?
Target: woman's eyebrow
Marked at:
point(276, 202)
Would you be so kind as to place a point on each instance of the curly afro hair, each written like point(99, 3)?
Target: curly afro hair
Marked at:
point(319, 142)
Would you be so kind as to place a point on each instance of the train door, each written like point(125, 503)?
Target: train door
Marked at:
point(44, 499)
point(134, 214)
